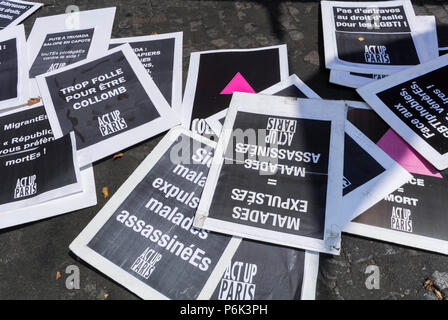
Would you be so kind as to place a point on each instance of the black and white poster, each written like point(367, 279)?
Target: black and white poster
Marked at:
point(413, 102)
point(277, 173)
point(381, 37)
point(371, 174)
point(415, 214)
point(261, 271)
point(214, 75)
point(71, 47)
point(110, 103)
point(61, 40)
point(40, 174)
point(144, 237)
point(27, 143)
point(13, 68)
point(426, 25)
point(13, 12)
point(161, 55)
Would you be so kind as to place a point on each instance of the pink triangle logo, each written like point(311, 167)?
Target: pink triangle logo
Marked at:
point(238, 83)
point(405, 155)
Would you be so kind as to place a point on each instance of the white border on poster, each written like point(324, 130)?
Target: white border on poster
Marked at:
point(310, 271)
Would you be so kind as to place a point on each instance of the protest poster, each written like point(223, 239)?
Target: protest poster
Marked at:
point(369, 173)
point(21, 130)
point(110, 102)
point(61, 40)
point(13, 12)
point(427, 25)
point(214, 75)
point(413, 103)
point(33, 173)
point(143, 238)
point(413, 215)
point(161, 55)
point(14, 89)
point(381, 37)
point(277, 173)
point(261, 271)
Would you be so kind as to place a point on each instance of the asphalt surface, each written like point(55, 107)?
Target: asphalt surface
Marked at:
point(34, 257)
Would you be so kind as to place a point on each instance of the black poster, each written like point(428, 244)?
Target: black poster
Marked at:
point(359, 166)
point(151, 234)
point(24, 130)
point(28, 174)
point(421, 104)
point(157, 56)
point(419, 207)
point(261, 271)
point(221, 73)
point(8, 69)
point(62, 49)
point(10, 11)
point(100, 99)
point(288, 195)
point(379, 36)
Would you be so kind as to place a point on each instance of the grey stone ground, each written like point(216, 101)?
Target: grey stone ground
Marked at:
point(32, 255)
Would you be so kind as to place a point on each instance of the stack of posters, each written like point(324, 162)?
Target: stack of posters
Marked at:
point(366, 41)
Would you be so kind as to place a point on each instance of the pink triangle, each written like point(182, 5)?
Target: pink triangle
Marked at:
point(405, 155)
point(238, 83)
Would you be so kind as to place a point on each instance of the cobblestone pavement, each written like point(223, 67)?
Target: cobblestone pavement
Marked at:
point(31, 256)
